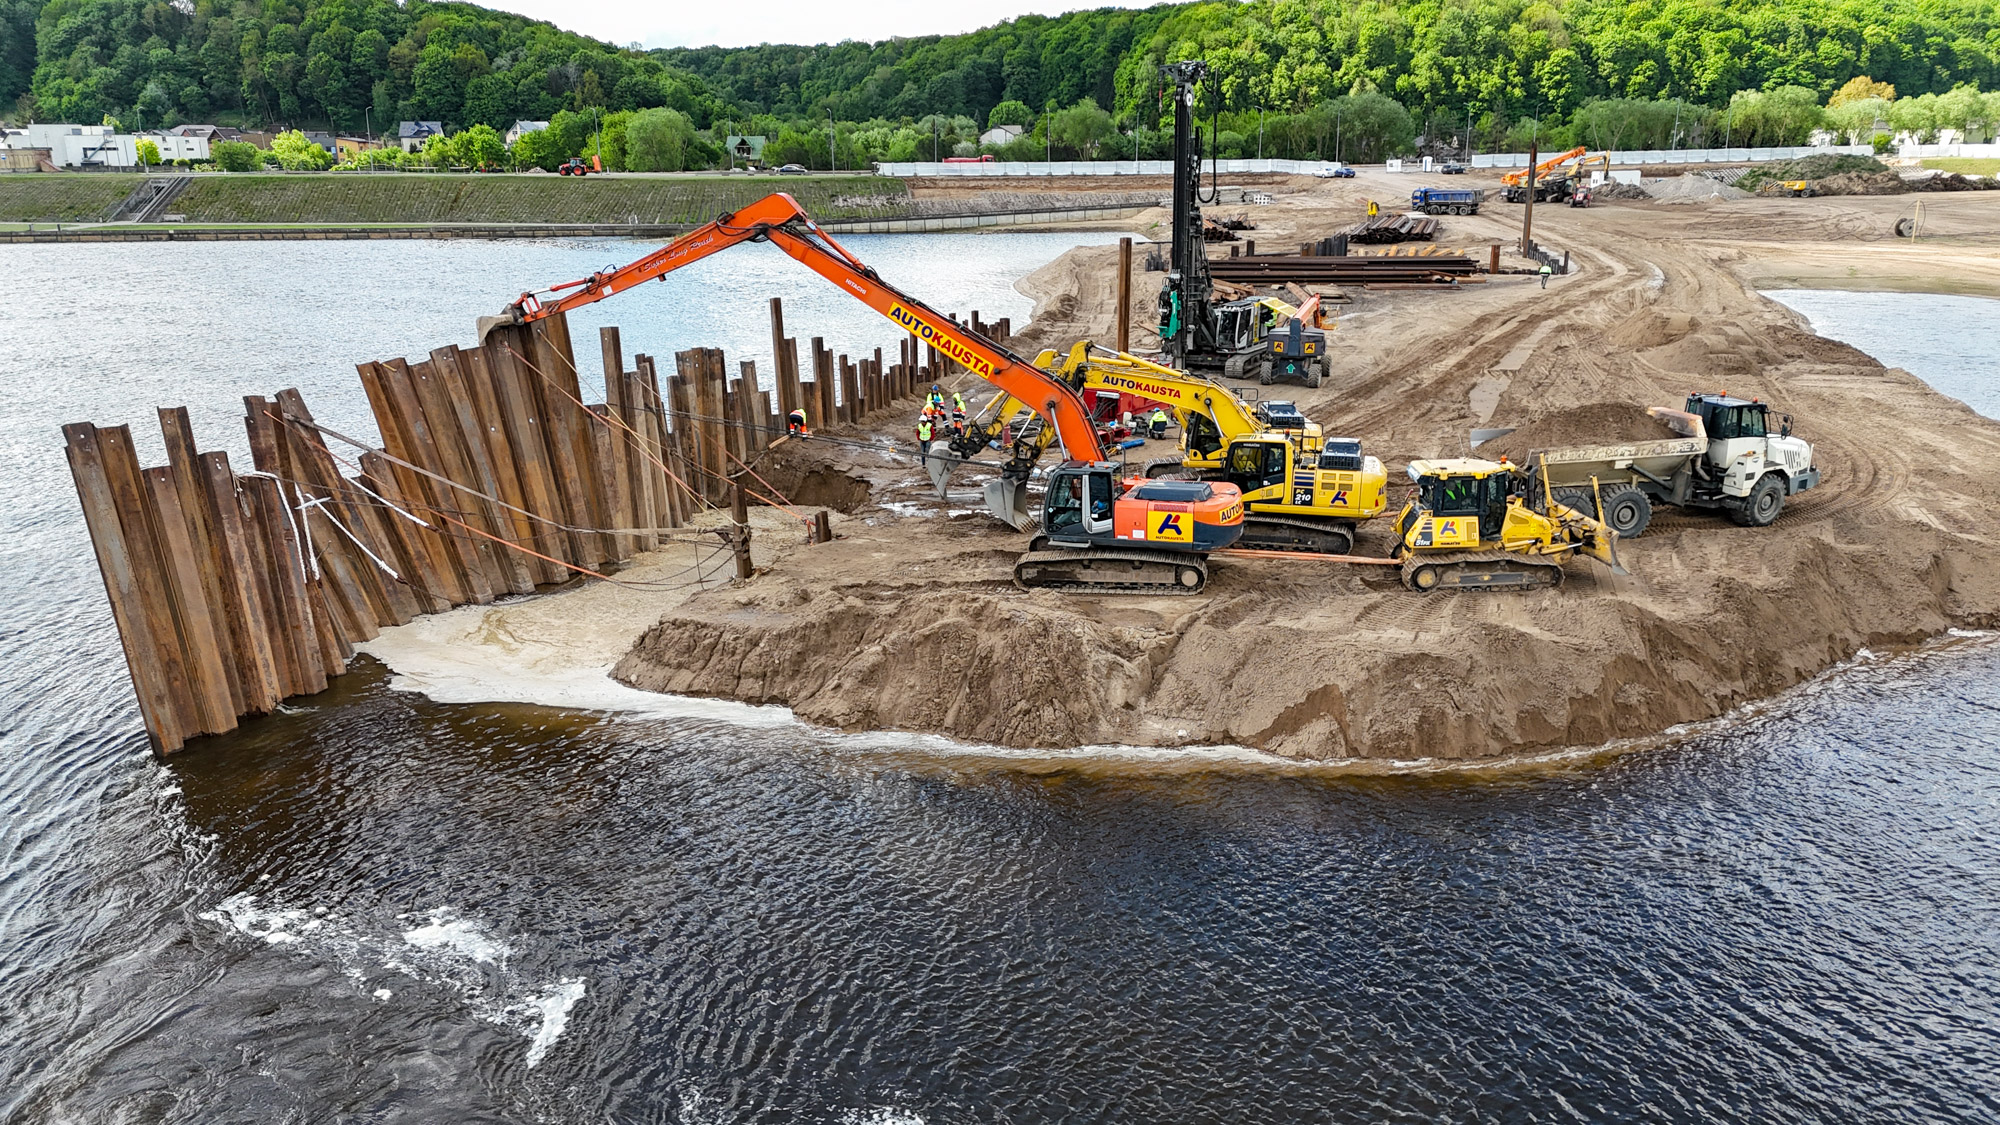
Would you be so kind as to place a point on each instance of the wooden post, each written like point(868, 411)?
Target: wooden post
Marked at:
point(210, 560)
point(566, 437)
point(747, 411)
point(619, 449)
point(295, 621)
point(1125, 294)
point(483, 382)
point(1493, 259)
point(126, 587)
point(419, 553)
point(823, 380)
point(706, 374)
point(307, 453)
point(822, 527)
point(850, 391)
point(461, 429)
point(1528, 203)
point(787, 389)
point(610, 483)
point(521, 416)
point(244, 612)
point(739, 514)
point(689, 493)
point(405, 437)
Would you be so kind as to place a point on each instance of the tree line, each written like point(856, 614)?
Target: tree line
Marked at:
point(1357, 80)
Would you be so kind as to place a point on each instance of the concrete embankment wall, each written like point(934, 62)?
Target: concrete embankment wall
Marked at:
point(337, 199)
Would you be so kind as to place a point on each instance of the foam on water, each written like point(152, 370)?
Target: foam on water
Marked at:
point(552, 1011)
point(447, 931)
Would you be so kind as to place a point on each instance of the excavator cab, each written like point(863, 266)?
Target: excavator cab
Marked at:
point(1078, 504)
point(1257, 465)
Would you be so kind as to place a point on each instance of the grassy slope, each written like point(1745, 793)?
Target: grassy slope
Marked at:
point(43, 197)
point(1966, 165)
point(402, 198)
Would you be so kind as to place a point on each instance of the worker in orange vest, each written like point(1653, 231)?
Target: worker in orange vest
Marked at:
point(795, 423)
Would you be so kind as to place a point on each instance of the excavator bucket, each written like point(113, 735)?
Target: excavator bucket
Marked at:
point(488, 323)
point(939, 469)
point(1007, 499)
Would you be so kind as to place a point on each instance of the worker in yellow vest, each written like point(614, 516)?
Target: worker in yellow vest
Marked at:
point(925, 432)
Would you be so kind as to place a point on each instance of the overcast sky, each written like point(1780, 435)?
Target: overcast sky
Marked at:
point(686, 23)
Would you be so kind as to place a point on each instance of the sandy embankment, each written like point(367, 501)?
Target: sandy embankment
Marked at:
point(910, 622)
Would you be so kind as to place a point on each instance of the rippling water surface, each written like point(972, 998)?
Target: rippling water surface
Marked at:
point(377, 908)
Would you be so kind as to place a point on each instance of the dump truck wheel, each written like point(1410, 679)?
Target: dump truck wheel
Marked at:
point(1627, 511)
point(1761, 507)
point(1578, 498)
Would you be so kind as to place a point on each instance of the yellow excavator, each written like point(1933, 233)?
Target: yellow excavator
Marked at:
point(1470, 527)
point(1301, 490)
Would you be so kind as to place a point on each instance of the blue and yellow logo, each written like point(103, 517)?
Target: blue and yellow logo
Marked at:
point(1171, 526)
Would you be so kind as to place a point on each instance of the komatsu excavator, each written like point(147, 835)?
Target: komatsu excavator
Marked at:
point(1099, 532)
point(1469, 527)
point(1301, 492)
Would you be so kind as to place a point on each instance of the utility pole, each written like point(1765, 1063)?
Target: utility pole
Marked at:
point(832, 138)
point(1528, 202)
point(1260, 132)
point(1125, 294)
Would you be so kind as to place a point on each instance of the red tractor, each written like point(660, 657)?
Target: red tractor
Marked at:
point(575, 166)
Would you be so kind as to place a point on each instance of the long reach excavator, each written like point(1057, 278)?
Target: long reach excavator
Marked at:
point(1099, 533)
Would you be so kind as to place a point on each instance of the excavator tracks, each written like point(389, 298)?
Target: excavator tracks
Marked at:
point(1480, 570)
point(1285, 533)
point(1111, 572)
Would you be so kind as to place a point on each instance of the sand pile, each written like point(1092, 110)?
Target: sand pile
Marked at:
point(1691, 189)
point(1598, 423)
point(1862, 183)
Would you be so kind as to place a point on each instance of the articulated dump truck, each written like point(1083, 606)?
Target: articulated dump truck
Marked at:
point(1725, 458)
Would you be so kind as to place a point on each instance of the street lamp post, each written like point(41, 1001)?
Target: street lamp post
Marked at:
point(1260, 132)
point(832, 139)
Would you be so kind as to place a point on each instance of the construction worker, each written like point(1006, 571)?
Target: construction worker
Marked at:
point(958, 404)
point(1158, 423)
point(795, 422)
point(925, 432)
point(936, 401)
point(1547, 272)
point(1374, 209)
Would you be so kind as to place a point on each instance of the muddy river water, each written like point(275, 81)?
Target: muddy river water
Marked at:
point(377, 908)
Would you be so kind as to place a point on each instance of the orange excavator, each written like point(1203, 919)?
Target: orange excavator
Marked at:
point(1099, 532)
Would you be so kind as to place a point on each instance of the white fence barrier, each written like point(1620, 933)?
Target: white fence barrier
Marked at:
point(1098, 168)
point(1689, 155)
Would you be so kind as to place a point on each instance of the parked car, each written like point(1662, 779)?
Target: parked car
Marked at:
point(1335, 172)
point(1452, 168)
point(792, 170)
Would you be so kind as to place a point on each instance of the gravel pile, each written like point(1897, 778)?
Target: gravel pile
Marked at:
point(1691, 189)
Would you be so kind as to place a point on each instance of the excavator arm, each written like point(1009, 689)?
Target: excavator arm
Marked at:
point(779, 220)
point(1514, 178)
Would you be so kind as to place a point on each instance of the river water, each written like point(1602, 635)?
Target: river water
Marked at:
point(377, 908)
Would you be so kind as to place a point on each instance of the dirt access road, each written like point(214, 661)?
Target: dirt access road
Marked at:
point(910, 621)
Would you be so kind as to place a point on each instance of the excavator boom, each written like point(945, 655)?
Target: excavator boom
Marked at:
point(779, 220)
point(1514, 178)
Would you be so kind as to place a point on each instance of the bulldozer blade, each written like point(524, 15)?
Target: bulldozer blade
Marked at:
point(1603, 546)
point(1008, 501)
point(939, 469)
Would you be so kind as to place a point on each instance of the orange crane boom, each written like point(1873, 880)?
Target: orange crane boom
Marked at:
point(779, 220)
point(1514, 178)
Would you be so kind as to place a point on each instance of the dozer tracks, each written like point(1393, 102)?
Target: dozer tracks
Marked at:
point(1480, 570)
point(1111, 572)
point(1283, 533)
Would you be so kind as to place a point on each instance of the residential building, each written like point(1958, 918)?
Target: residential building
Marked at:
point(523, 128)
point(209, 134)
point(749, 150)
point(413, 134)
point(80, 146)
point(323, 140)
point(347, 146)
point(178, 146)
point(1000, 135)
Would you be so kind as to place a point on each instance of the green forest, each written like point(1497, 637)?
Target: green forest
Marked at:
point(1359, 79)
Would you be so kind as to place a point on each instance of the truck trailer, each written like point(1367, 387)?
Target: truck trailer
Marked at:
point(1726, 457)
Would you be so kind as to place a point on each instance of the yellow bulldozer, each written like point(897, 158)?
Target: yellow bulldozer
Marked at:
point(1470, 526)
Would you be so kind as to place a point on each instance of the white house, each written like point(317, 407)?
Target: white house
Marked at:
point(1001, 134)
point(178, 147)
point(522, 128)
point(80, 146)
point(413, 134)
